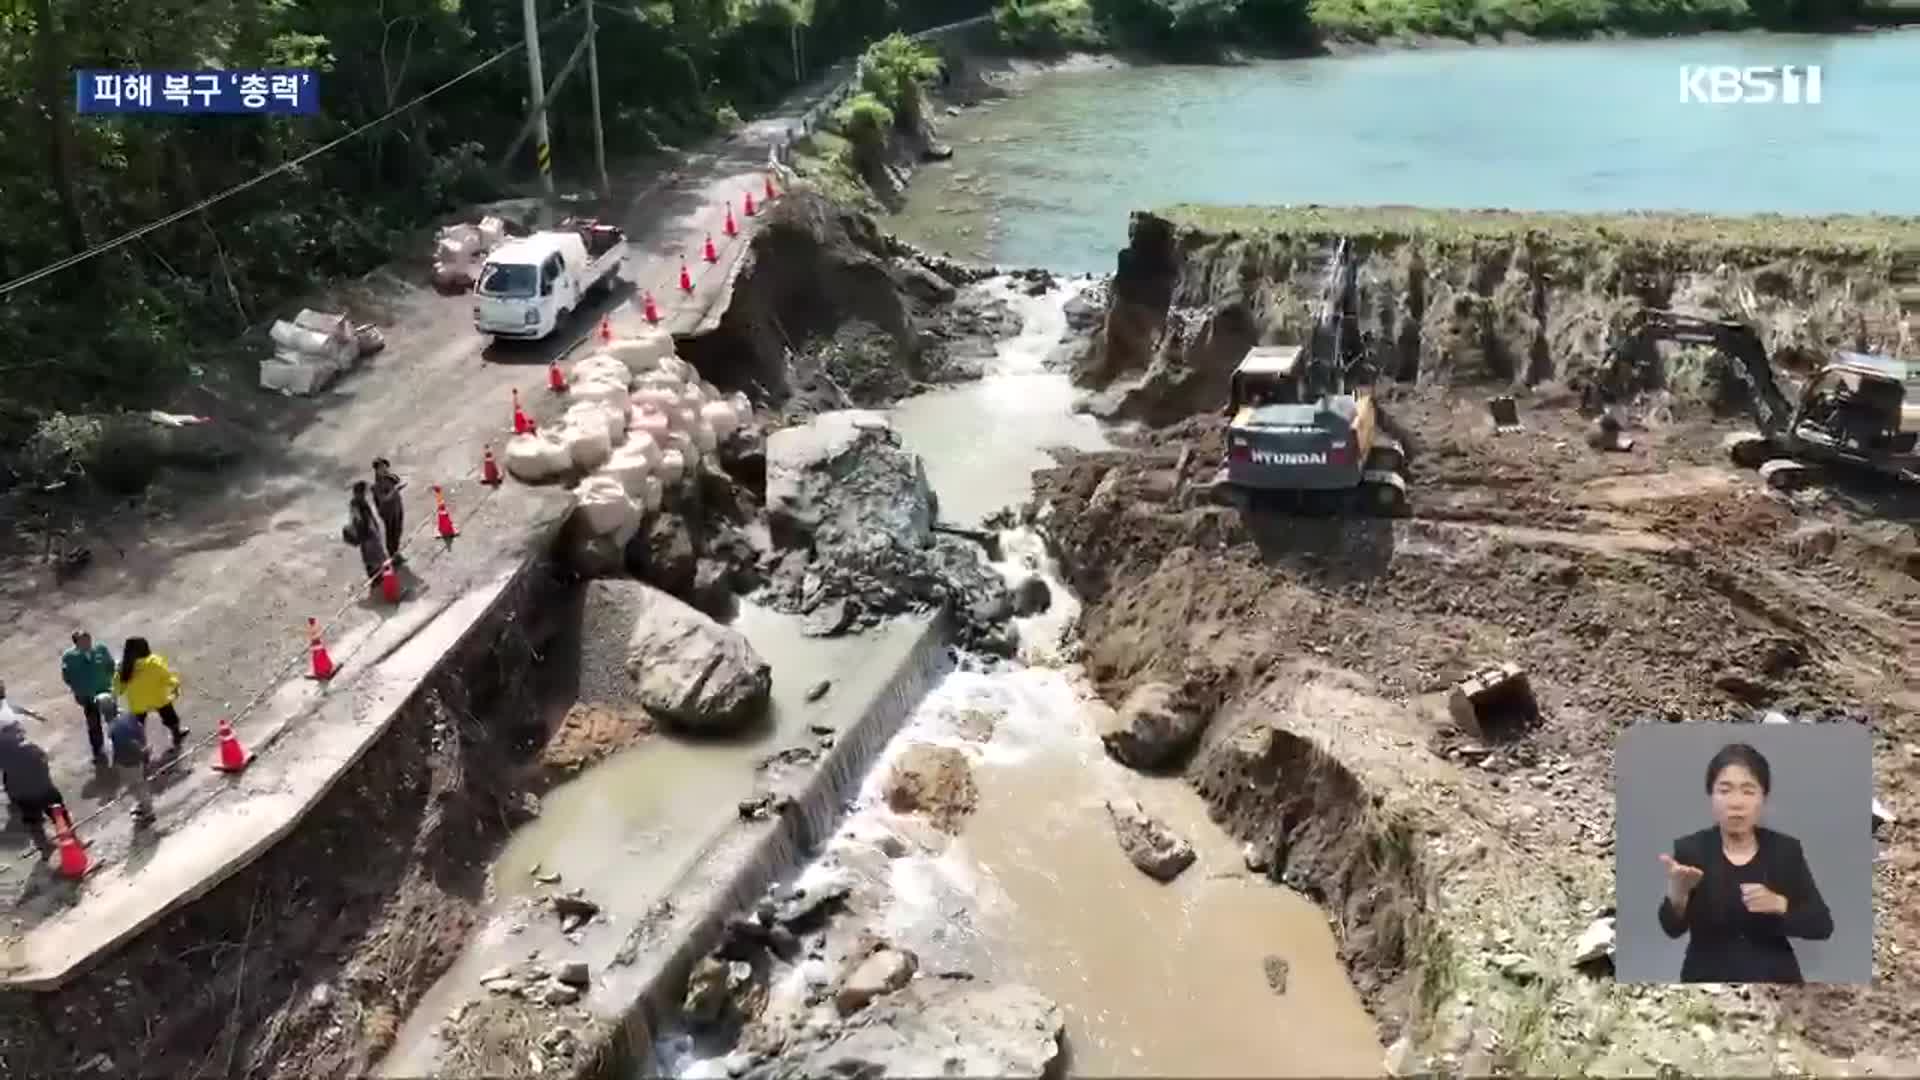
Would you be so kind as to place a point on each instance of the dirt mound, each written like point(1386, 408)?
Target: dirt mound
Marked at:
point(829, 312)
point(1659, 584)
point(1517, 300)
point(933, 780)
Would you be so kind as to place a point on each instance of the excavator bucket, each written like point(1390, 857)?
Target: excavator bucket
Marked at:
point(1506, 414)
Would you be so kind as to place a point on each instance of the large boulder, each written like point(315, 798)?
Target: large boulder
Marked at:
point(1154, 726)
point(933, 780)
point(942, 1030)
point(641, 647)
point(852, 507)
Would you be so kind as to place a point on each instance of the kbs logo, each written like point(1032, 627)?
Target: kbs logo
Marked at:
point(1725, 84)
point(1270, 457)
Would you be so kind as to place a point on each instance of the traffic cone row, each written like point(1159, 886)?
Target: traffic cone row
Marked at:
point(707, 252)
point(74, 860)
point(521, 425)
point(731, 229)
point(651, 311)
point(489, 469)
point(389, 583)
point(233, 757)
point(556, 379)
point(686, 280)
point(750, 210)
point(323, 667)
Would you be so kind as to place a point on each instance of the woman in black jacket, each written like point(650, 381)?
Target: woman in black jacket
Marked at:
point(1737, 890)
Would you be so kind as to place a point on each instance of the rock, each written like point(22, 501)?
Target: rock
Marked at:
point(934, 780)
point(1516, 966)
point(555, 993)
point(1152, 727)
point(707, 992)
point(573, 974)
point(662, 555)
point(1148, 843)
point(952, 1029)
point(830, 619)
point(1276, 969)
point(816, 692)
point(884, 972)
point(574, 907)
point(1032, 596)
point(670, 659)
point(1595, 944)
point(1882, 816)
point(712, 588)
point(803, 909)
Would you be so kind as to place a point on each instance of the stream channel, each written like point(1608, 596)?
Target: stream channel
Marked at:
point(1153, 979)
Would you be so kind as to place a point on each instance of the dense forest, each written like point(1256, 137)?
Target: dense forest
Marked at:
point(1206, 26)
point(125, 327)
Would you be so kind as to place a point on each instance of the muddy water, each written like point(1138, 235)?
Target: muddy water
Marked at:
point(1154, 979)
point(981, 441)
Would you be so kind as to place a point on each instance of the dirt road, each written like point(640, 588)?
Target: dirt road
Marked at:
point(225, 588)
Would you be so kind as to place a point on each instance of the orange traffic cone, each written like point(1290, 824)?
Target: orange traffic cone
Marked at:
point(749, 208)
point(771, 194)
point(489, 469)
point(323, 668)
point(233, 757)
point(686, 282)
point(556, 379)
point(389, 583)
point(606, 330)
point(707, 252)
point(651, 310)
point(730, 228)
point(442, 520)
point(521, 425)
point(74, 860)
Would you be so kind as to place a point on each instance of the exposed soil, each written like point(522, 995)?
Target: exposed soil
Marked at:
point(589, 733)
point(1657, 584)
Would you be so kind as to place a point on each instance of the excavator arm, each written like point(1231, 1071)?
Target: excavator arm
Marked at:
point(1335, 347)
point(1747, 353)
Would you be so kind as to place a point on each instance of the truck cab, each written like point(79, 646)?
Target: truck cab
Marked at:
point(530, 284)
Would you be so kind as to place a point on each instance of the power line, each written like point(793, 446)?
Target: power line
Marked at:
point(100, 249)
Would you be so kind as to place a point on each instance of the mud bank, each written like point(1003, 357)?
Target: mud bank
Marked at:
point(1491, 298)
point(304, 962)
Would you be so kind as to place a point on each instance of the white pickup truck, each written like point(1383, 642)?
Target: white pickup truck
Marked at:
point(530, 284)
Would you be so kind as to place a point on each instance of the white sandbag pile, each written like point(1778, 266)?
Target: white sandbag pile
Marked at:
point(644, 351)
point(460, 250)
point(607, 509)
point(309, 353)
point(537, 459)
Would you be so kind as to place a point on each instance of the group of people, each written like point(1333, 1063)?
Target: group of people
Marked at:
point(116, 736)
point(374, 527)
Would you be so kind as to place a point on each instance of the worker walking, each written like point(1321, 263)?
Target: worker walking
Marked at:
point(29, 783)
point(386, 501)
point(130, 756)
point(362, 532)
point(87, 669)
point(149, 686)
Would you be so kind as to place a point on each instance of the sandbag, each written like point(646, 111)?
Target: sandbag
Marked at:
point(604, 503)
point(587, 444)
point(300, 339)
point(678, 368)
point(704, 437)
point(633, 470)
point(601, 367)
point(658, 398)
point(719, 416)
point(672, 467)
point(592, 415)
point(653, 423)
point(608, 396)
point(492, 230)
point(742, 407)
point(642, 350)
point(684, 420)
point(537, 459)
point(663, 380)
point(652, 494)
point(708, 392)
point(644, 445)
point(681, 442)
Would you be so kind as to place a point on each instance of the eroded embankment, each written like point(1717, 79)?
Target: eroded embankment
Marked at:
point(304, 963)
point(1491, 296)
point(1308, 658)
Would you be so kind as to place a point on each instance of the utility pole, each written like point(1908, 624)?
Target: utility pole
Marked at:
point(543, 147)
point(593, 77)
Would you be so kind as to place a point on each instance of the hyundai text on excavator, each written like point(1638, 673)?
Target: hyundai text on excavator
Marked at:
point(1856, 411)
point(1304, 431)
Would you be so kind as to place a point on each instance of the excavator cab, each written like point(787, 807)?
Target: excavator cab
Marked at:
point(1853, 407)
point(1268, 375)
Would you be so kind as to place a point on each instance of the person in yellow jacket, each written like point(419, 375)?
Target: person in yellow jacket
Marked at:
point(148, 686)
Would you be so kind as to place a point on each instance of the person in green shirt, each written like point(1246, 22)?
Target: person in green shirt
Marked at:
point(87, 669)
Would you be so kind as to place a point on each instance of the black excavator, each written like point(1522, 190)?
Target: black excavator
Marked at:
point(1856, 411)
point(1304, 431)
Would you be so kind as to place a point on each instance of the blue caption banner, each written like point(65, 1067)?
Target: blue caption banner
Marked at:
point(273, 91)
